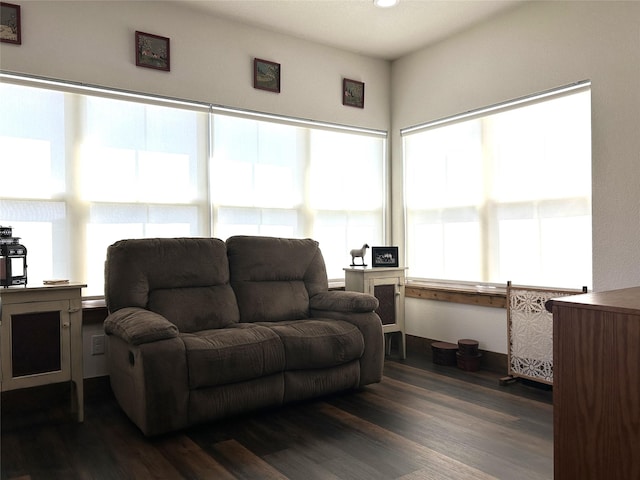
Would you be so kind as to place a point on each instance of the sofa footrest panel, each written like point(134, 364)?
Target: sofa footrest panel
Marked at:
point(234, 354)
point(318, 343)
point(208, 404)
point(304, 384)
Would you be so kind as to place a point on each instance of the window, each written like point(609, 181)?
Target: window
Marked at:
point(138, 168)
point(82, 172)
point(82, 169)
point(295, 181)
point(503, 195)
point(346, 194)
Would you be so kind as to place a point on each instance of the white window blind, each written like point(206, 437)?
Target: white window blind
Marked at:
point(84, 167)
point(504, 194)
point(295, 181)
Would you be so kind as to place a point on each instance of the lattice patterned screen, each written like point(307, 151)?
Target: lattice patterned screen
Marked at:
point(530, 331)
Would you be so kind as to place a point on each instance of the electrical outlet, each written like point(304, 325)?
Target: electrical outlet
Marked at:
point(97, 345)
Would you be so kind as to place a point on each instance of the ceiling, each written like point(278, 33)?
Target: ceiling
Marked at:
point(358, 25)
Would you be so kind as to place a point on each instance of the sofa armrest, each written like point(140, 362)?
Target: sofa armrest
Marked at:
point(136, 326)
point(369, 324)
point(343, 301)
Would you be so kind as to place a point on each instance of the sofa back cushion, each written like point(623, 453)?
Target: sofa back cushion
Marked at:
point(184, 279)
point(273, 278)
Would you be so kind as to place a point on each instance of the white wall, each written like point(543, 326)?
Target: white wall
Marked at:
point(535, 47)
point(93, 365)
point(449, 322)
point(211, 59)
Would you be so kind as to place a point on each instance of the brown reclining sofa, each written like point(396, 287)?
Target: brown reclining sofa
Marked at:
point(200, 329)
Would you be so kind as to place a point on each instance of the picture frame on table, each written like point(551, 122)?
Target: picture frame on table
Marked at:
point(10, 23)
point(266, 75)
point(384, 256)
point(153, 51)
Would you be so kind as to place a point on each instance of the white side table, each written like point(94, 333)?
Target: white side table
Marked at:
point(387, 285)
point(41, 339)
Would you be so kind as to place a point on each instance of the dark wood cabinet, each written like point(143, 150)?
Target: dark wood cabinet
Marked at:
point(596, 394)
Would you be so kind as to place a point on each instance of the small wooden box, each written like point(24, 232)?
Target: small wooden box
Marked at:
point(468, 347)
point(444, 353)
point(467, 363)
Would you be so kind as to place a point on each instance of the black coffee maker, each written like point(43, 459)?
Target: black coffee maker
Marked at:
point(13, 259)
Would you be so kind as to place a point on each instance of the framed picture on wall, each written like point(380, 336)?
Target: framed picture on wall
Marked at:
point(384, 256)
point(10, 28)
point(266, 75)
point(152, 51)
point(352, 93)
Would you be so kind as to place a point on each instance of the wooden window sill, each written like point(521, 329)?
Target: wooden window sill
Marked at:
point(484, 296)
point(93, 311)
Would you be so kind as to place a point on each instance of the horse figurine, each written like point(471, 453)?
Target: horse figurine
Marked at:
point(358, 253)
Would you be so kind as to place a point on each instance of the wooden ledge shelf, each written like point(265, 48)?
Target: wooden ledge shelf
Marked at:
point(481, 296)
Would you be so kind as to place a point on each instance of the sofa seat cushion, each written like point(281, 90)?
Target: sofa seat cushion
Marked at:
point(237, 353)
point(318, 343)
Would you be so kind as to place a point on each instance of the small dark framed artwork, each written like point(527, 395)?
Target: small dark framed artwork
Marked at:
point(266, 75)
point(152, 51)
point(352, 93)
point(384, 256)
point(10, 28)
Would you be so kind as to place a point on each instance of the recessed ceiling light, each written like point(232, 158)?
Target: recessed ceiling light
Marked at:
point(385, 3)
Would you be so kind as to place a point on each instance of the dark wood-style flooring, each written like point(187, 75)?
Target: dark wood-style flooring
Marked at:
point(422, 422)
